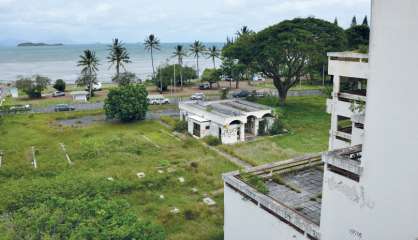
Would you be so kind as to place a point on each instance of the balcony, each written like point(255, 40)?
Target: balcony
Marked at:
point(348, 64)
point(347, 160)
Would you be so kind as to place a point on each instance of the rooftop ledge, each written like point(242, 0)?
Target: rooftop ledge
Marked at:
point(348, 159)
point(348, 55)
point(295, 198)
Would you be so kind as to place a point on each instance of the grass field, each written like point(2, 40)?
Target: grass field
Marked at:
point(308, 126)
point(105, 150)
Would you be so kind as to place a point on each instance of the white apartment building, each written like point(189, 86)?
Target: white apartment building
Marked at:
point(350, 73)
point(232, 120)
point(361, 191)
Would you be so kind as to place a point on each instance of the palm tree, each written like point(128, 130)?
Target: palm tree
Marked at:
point(180, 53)
point(118, 56)
point(213, 53)
point(152, 43)
point(197, 49)
point(89, 62)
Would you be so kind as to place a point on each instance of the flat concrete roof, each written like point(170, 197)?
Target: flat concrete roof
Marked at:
point(228, 108)
point(296, 196)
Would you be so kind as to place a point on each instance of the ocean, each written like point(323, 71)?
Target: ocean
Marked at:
point(61, 61)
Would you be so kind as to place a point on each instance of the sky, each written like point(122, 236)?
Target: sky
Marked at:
point(93, 21)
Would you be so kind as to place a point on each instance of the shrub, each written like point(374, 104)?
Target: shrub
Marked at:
point(126, 78)
point(277, 127)
point(127, 103)
point(212, 141)
point(181, 126)
point(224, 93)
point(59, 85)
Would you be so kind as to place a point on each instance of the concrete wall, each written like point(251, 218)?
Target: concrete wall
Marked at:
point(246, 221)
point(386, 208)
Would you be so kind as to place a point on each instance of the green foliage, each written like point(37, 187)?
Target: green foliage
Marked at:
point(181, 126)
point(166, 74)
point(59, 85)
point(127, 103)
point(277, 127)
point(168, 120)
point(224, 93)
point(289, 50)
point(255, 182)
point(358, 36)
point(34, 86)
point(125, 78)
point(118, 56)
point(327, 91)
point(197, 49)
point(82, 218)
point(212, 140)
point(89, 66)
point(211, 75)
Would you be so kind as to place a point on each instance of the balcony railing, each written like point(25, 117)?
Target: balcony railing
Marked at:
point(347, 159)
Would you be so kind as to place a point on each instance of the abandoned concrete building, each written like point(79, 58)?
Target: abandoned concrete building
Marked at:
point(231, 121)
point(364, 186)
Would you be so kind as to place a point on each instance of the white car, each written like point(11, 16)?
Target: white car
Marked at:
point(198, 96)
point(258, 77)
point(158, 100)
point(58, 94)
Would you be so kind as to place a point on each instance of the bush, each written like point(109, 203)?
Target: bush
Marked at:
point(277, 127)
point(127, 103)
point(211, 75)
point(181, 126)
point(59, 85)
point(126, 78)
point(224, 93)
point(212, 141)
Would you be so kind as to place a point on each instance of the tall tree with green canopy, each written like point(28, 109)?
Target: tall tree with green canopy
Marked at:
point(354, 21)
point(336, 21)
point(89, 67)
point(180, 53)
point(33, 86)
point(289, 50)
point(213, 53)
point(165, 75)
point(244, 31)
point(358, 36)
point(152, 43)
point(118, 56)
point(197, 49)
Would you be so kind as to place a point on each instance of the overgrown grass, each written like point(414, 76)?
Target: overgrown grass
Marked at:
point(308, 125)
point(105, 150)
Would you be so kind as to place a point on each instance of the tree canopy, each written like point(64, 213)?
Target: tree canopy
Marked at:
point(358, 36)
point(127, 103)
point(165, 75)
point(289, 50)
point(59, 85)
point(33, 86)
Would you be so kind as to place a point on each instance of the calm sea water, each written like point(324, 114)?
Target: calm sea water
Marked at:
point(61, 61)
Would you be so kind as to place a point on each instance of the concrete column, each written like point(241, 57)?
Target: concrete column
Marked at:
point(256, 124)
point(336, 88)
point(242, 133)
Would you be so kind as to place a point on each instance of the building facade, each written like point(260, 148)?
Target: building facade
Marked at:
point(350, 73)
point(231, 121)
point(368, 177)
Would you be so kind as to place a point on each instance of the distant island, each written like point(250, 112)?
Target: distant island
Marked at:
point(30, 44)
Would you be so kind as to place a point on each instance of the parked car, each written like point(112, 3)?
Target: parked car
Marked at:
point(198, 96)
point(241, 94)
point(226, 78)
point(63, 108)
point(96, 87)
point(157, 100)
point(204, 86)
point(58, 94)
point(20, 108)
point(258, 77)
